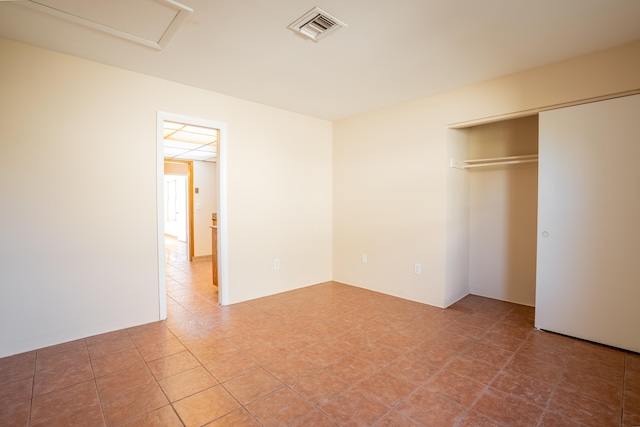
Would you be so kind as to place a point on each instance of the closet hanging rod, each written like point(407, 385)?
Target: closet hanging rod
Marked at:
point(494, 162)
point(509, 160)
point(512, 162)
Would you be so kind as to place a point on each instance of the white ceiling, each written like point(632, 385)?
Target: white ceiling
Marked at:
point(391, 51)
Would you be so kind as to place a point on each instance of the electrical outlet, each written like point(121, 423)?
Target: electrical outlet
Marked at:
point(276, 264)
point(364, 258)
point(417, 268)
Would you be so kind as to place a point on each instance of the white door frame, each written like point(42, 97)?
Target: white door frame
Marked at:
point(223, 271)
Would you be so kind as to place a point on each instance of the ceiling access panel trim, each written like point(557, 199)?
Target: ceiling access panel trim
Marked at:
point(316, 24)
point(182, 14)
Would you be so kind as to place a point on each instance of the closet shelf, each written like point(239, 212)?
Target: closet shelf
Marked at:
point(499, 162)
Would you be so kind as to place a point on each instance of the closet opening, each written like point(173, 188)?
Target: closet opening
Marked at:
point(493, 182)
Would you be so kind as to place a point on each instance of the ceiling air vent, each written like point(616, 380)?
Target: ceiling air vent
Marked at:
point(316, 24)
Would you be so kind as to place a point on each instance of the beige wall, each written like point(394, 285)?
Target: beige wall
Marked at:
point(382, 188)
point(204, 204)
point(64, 272)
point(176, 168)
point(395, 197)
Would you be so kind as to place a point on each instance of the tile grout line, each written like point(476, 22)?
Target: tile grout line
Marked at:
point(486, 387)
point(557, 385)
point(154, 378)
point(95, 383)
point(219, 383)
point(33, 387)
point(624, 387)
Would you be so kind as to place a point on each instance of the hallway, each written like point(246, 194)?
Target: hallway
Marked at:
point(184, 278)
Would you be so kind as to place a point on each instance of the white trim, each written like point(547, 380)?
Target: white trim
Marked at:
point(162, 273)
point(223, 271)
point(504, 296)
point(455, 298)
point(223, 239)
point(183, 13)
point(533, 111)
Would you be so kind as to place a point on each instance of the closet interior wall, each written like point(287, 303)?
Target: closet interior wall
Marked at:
point(503, 205)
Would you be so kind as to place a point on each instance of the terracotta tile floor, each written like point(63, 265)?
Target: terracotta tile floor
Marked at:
point(326, 355)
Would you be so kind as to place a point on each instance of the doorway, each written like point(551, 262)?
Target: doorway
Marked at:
point(178, 204)
point(176, 216)
point(168, 124)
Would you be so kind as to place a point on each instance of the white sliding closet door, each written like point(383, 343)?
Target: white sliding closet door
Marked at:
point(588, 266)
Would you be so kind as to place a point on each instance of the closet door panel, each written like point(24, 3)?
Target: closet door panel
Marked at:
point(588, 258)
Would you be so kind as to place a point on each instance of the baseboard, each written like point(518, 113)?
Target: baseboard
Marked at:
point(455, 298)
point(504, 296)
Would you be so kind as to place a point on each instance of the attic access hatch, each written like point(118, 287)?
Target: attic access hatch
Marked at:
point(151, 23)
point(316, 24)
